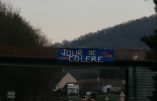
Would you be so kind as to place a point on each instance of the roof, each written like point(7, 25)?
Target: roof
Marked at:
point(80, 74)
point(67, 78)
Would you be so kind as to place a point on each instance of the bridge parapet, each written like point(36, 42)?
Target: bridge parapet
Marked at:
point(131, 55)
point(28, 52)
point(50, 53)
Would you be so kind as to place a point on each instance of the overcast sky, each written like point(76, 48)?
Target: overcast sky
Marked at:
point(68, 19)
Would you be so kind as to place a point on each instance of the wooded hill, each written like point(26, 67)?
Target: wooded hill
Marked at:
point(125, 35)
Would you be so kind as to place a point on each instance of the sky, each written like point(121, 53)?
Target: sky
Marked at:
point(68, 19)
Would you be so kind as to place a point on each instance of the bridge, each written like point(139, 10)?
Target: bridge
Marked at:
point(135, 63)
point(47, 53)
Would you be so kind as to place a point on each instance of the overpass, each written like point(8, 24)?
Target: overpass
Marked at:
point(49, 55)
point(135, 63)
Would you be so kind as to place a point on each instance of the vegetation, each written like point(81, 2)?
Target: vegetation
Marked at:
point(151, 41)
point(16, 31)
point(28, 83)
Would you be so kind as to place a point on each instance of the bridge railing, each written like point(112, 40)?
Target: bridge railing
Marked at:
point(48, 52)
point(130, 54)
point(28, 52)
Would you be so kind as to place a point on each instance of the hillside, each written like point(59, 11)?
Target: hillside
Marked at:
point(125, 35)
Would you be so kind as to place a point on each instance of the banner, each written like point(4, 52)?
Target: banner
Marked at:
point(87, 55)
